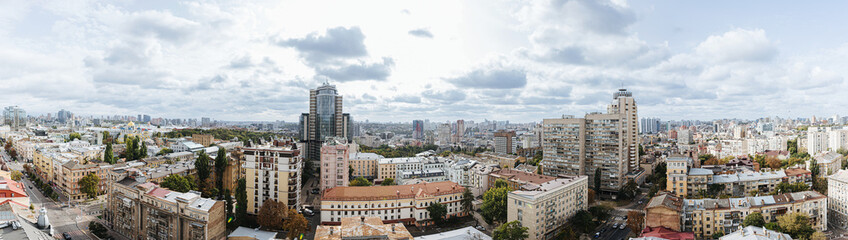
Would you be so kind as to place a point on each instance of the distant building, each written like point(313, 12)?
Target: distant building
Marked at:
point(418, 129)
point(273, 172)
point(15, 117)
point(324, 120)
point(202, 139)
point(363, 228)
point(546, 207)
point(334, 165)
point(504, 142)
point(609, 141)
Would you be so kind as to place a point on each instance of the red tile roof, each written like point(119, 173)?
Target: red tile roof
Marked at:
point(159, 192)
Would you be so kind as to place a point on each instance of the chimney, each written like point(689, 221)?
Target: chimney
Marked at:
point(393, 228)
point(331, 231)
point(362, 219)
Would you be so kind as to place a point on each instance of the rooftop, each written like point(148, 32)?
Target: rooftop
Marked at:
point(522, 176)
point(756, 233)
point(363, 228)
point(549, 186)
point(458, 234)
point(747, 202)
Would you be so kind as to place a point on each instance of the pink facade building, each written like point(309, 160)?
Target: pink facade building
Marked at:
point(334, 165)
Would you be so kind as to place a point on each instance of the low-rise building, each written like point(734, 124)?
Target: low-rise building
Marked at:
point(392, 204)
point(364, 164)
point(138, 210)
point(829, 162)
point(756, 233)
point(518, 179)
point(362, 227)
point(545, 208)
point(705, 217)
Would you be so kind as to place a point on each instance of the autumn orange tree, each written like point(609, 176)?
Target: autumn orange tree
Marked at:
point(295, 224)
point(271, 214)
point(635, 219)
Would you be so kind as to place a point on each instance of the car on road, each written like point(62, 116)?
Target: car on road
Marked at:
point(614, 226)
point(66, 236)
point(307, 212)
point(597, 234)
point(314, 191)
point(621, 226)
point(481, 228)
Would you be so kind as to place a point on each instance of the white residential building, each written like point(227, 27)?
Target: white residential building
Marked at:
point(837, 196)
point(545, 209)
point(829, 162)
point(756, 233)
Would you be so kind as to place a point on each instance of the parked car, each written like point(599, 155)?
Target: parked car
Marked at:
point(621, 226)
point(66, 236)
point(597, 234)
point(315, 191)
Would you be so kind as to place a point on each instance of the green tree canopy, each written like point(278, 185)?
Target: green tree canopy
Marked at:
point(16, 175)
point(467, 201)
point(796, 225)
point(74, 135)
point(108, 156)
point(494, 204)
point(360, 182)
point(629, 190)
point(178, 183)
point(203, 168)
point(388, 182)
point(754, 219)
point(89, 185)
point(164, 151)
point(220, 166)
point(437, 212)
point(241, 202)
point(510, 231)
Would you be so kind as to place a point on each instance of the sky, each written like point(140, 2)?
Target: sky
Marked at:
point(394, 60)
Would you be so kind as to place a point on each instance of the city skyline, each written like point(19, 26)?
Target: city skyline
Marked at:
point(515, 61)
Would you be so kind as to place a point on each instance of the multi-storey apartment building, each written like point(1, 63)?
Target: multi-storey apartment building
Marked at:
point(405, 204)
point(837, 204)
point(334, 165)
point(273, 172)
point(829, 162)
point(202, 139)
point(605, 141)
point(504, 142)
point(516, 179)
point(73, 171)
point(705, 217)
point(138, 210)
point(545, 208)
point(364, 164)
point(392, 167)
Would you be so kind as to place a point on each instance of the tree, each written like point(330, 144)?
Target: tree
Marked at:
point(510, 231)
point(582, 221)
point(360, 182)
point(706, 157)
point(98, 229)
point(600, 212)
point(164, 151)
point(89, 184)
point(202, 167)
point(220, 167)
point(629, 190)
point(296, 224)
point(229, 201)
point(241, 202)
point(271, 214)
point(388, 182)
point(16, 175)
point(796, 225)
point(494, 204)
point(73, 136)
point(467, 201)
point(437, 212)
point(635, 220)
point(754, 219)
point(842, 151)
point(818, 236)
point(718, 234)
point(590, 196)
point(142, 152)
point(773, 163)
point(177, 183)
point(500, 183)
point(597, 179)
point(108, 156)
point(713, 190)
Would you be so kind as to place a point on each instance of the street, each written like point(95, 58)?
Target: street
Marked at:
point(63, 219)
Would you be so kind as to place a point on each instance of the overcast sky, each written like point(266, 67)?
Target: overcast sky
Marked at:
point(440, 60)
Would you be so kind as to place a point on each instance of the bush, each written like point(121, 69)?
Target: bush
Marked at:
point(98, 229)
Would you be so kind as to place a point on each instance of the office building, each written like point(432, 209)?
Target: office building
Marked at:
point(605, 141)
point(504, 142)
point(334, 164)
point(64, 115)
point(405, 204)
point(273, 172)
point(444, 134)
point(137, 210)
point(418, 129)
point(15, 117)
point(546, 207)
point(324, 120)
point(459, 132)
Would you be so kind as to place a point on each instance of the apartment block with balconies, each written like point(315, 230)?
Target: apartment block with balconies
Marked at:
point(273, 172)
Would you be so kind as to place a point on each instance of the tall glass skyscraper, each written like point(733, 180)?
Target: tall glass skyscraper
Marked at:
point(324, 120)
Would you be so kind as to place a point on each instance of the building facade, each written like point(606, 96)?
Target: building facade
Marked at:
point(138, 210)
point(606, 141)
point(273, 172)
point(334, 165)
point(837, 204)
point(405, 204)
point(544, 210)
point(504, 142)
